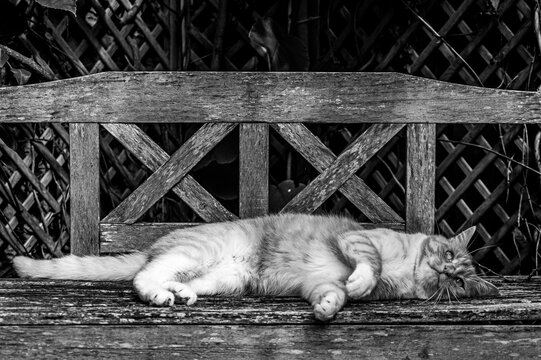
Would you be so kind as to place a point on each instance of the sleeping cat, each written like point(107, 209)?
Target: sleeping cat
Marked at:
point(325, 259)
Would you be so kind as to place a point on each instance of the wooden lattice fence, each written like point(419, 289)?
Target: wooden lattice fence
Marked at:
point(464, 41)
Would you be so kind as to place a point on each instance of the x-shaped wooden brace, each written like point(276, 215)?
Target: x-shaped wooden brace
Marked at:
point(338, 173)
point(169, 172)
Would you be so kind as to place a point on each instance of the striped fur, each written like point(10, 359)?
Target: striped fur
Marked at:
point(325, 259)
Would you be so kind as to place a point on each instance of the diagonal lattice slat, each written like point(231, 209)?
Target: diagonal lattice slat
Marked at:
point(152, 156)
point(170, 173)
point(345, 166)
point(322, 159)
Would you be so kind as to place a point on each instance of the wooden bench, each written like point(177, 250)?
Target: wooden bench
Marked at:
point(106, 319)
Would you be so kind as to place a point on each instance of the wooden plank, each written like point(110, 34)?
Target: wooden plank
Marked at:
point(264, 97)
point(84, 189)
point(254, 170)
point(344, 167)
point(48, 302)
point(117, 238)
point(276, 342)
point(420, 178)
point(153, 156)
point(320, 157)
point(169, 174)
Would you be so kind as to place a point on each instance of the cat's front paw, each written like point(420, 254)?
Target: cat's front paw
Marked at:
point(329, 305)
point(182, 291)
point(361, 282)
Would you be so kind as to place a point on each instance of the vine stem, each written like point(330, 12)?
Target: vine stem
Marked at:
point(492, 151)
point(442, 39)
point(537, 24)
point(29, 62)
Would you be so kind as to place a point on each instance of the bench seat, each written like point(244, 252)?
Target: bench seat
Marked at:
point(74, 319)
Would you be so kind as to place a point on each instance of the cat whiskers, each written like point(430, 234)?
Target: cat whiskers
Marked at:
point(448, 295)
point(433, 295)
point(438, 294)
point(454, 295)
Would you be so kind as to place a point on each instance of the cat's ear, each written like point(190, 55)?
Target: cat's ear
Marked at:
point(463, 239)
point(481, 287)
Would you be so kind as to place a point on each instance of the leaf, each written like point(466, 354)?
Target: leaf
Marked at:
point(21, 75)
point(68, 5)
point(280, 195)
point(495, 4)
point(91, 18)
point(4, 57)
point(226, 152)
point(282, 51)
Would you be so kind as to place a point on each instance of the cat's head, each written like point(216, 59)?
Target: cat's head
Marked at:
point(446, 271)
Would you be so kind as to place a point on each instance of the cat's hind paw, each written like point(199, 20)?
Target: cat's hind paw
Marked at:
point(361, 282)
point(329, 305)
point(182, 291)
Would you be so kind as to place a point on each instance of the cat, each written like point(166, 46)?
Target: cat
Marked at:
point(325, 259)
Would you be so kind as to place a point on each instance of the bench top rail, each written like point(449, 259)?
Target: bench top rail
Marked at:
point(240, 97)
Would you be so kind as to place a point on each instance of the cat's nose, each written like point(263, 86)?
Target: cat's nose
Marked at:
point(448, 269)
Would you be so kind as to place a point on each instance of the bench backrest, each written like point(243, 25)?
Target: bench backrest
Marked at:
point(255, 102)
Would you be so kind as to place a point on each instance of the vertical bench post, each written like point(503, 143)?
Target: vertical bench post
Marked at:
point(254, 170)
point(84, 189)
point(420, 178)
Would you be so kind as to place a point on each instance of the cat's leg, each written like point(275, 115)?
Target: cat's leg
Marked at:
point(365, 260)
point(158, 282)
point(226, 279)
point(327, 297)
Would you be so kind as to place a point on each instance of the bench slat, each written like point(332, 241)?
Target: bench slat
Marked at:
point(84, 189)
point(117, 238)
point(420, 178)
point(71, 302)
point(254, 170)
point(280, 342)
point(145, 97)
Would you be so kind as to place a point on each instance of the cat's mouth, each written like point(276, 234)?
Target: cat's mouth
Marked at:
point(439, 275)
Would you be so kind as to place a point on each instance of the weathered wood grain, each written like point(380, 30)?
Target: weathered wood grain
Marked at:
point(420, 178)
point(169, 174)
point(343, 168)
point(30, 302)
point(254, 170)
point(118, 238)
point(321, 157)
point(70, 319)
point(84, 189)
point(153, 156)
point(274, 342)
point(264, 97)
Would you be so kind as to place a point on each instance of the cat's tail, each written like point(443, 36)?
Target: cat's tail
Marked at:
point(71, 267)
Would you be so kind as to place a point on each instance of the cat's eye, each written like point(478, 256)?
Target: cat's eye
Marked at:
point(449, 255)
point(459, 282)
